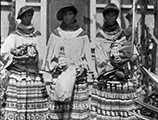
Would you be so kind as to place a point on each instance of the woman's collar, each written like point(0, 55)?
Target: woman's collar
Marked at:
point(22, 26)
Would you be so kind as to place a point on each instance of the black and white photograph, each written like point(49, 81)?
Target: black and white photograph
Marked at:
point(79, 60)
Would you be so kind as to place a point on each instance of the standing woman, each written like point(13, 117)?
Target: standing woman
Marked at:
point(69, 45)
point(113, 91)
point(26, 95)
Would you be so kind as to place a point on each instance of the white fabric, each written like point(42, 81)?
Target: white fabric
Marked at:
point(69, 34)
point(77, 49)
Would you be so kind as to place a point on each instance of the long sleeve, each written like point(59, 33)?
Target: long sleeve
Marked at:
point(8, 44)
point(48, 64)
point(87, 52)
point(42, 53)
point(102, 49)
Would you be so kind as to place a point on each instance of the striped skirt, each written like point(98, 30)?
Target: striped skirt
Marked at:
point(26, 97)
point(76, 109)
point(113, 101)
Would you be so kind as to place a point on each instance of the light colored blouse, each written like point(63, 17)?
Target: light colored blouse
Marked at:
point(102, 50)
point(77, 48)
point(14, 40)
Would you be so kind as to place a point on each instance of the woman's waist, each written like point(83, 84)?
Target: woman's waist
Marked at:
point(81, 74)
point(24, 68)
point(80, 80)
point(118, 87)
point(116, 83)
point(26, 76)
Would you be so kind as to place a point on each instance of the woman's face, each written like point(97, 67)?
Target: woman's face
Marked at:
point(26, 18)
point(69, 17)
point(110, 18)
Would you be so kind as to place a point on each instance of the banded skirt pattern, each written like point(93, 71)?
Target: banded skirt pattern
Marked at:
point(113, 101)
point(26, 97)
point(76, 109)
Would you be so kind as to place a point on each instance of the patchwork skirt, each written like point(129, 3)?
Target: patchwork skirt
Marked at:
point(113, 101)
point(26, 97)
point(76, 109)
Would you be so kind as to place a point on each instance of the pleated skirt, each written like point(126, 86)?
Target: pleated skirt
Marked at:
point(113, 101)
point(76, 109)
point(26, 97)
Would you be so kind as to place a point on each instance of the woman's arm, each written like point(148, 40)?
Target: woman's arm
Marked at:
point(49, 63)
point(8, 45)
point(88, 54)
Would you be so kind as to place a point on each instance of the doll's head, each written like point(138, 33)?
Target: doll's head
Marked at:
point(62, 57)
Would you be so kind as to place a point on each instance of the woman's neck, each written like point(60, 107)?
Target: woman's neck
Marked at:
point(23, 26)
point(110, 28)
point(70, 27)
point(24, 29)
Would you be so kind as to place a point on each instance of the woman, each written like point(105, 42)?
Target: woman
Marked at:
point(26, 95)
point(69, 47)
point(112, 91)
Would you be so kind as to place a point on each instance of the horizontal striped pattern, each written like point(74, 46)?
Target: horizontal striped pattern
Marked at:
point(113, 102)
point(26, 97)
point(77, 109)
